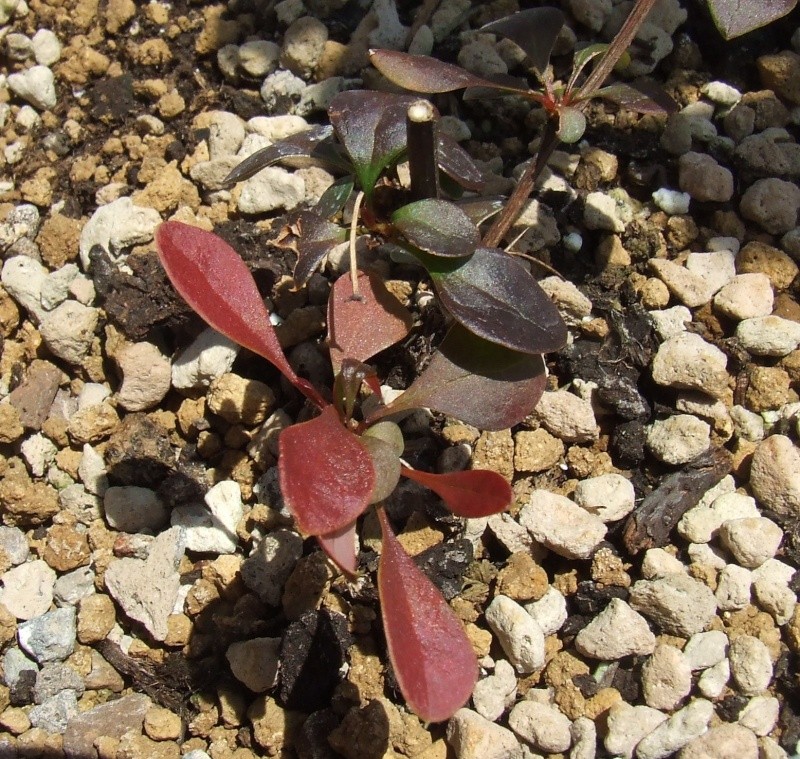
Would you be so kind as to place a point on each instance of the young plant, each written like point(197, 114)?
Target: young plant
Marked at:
point(334, 466)
point(535, 31)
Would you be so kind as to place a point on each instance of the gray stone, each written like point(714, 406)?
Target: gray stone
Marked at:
point(679, 604)
point(71, 587)
point(53, 715)
point(746, 296)
point(46, 47)
point(212, 529)
point(772, 203)
point(567, 416)
point(254, 662)
point(678, 439)
point(775, 475)
point(704, 179)
point(760, 714)
point(23, 279)
point(270, 563)
point(53, 678)
point(50, 637)
point(701, 523)
point(18, 667)
point(496, 692)
point(68, 331)
point(769, 335)
point(666, 678)
point(679, 730)
point(210, 356)
point(712, 682)
point(550, 611)
point(751, 665)
point(722, 742)
point(773, 591)
point(129, 508)
point(271, 189)
point(733, 588)
point(752, 540)
point(705, 649)
point(146, 376)
point(627, 725)
point(14, 544)
point(112, 719)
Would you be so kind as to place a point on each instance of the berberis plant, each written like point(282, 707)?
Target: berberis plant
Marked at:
point(488, 370)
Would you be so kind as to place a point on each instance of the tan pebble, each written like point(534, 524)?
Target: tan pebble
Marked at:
point(132, 746)
point(153, 52)
point(15, 720)
point(366, 670)
point(217, 31)
point(58, 240)
point(760, 257)
point(25, 503)
point(10, 427)
point(179, 630)
point(91, 424)
point(495, 451)
point(419, 535)
point(274, 728)
point(239, 400)
point(536, 450)
point(233, 706)
point(768, 388)
point(8, 625)
point(522, 579)
point(161, 724)
point(96, 617)
point(171, 104)
point(480, 639)
point(65, 548)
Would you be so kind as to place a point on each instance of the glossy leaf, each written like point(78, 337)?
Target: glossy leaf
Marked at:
point(335, 198)
point(534, 30)
point(340, 546)
point(326, 474)
point(372, 129)
point(431, 655)
point(454, 161)
point(361, 327)
point(437, 227)
point(347, 385)
point(390, 433)
point(735, 17)
point(582, 58)
point(386, 463)
point(301, 149)
point(493, 295)
point(212, 278)
point(312, 238)
point(421, 73)
point(571, 124)
point(478, 382)
point(642, 96)
point(479, 209)
point(472, 493)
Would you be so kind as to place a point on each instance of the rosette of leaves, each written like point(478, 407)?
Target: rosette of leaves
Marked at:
point(339, 463)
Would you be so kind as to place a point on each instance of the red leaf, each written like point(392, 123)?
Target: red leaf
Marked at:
point(340, 546)
point(361, 327)
point(326, 474)
point(421, 73)
point(212, 278)
point(432, 657)
point(473, 493)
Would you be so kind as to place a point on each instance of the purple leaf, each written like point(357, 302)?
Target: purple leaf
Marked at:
point(326, 474)
point(454, 161)
point(534, 30)
point(641, 96)
point(493, 295)
point(431, 655)
point(437, 227)
point(340, 546)
point(358, 328)
point(735, 17)
point(421, 73)
point(212, 278)
point(478, 382)
point(312, 237)
point(472, 493)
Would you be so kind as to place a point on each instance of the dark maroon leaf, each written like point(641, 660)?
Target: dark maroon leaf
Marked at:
point(493, 295)
point(335, 197)
point(534, 30)
point(478, 382)
point(361, 327)
point(437, 227)
point(454, 161)
point(642, 96)
point(500, 86)
point(340, 546)
point(349, 379)
point(212, 278)
point(472, 493)
point(316, 237)
point(736, 17)
point(372, 129)
point(299, 150)
point(430, 653)
point(481, 208)
point(325, 473)
point(421, 73)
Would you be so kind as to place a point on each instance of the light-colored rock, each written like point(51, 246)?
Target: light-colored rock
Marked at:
point(705, 649)
point(68, 330)
point(541, 725)
point(23, 279)
point(27, 590)
point(147, 590)
point(146, 376)
point(271, 189)
point(609, 496)
point(561, 525)
point(567, 416)
point(678, 439)
point(733, 588)
point(775, 475)
point(116, 227)
point(601, 211)
point(239, 400)
point(255, 662)
point(751, 665)
point(474, 737)
point(36, 86)
point(713, 681)
point(496, 692)
point(772, 590)
point(722, 742)
point(752, 540)
point(717, 267)
point(657, 563)
point(212, 529)
point(518, 633)
point(670, 321)
point(701, 523)
point(49, 637)
point(679, 730)
point(550, 611)
point(772, 203)
point(760, 714)
point(769, 335)
point(679, 604)
point(129, 508)
point(615, 632)
point(46, 47)
point(303, 46)
point(747, 296)
point(704, 179)
point(627, 725)
point(270, 563)
point(690, 288)
point(672, 201)
point(572, 304)
point(666, 678)
point(687, 362)
point(258, 58)
point(210, 356)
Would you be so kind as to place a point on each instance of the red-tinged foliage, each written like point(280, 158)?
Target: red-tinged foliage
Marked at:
point(212, 278)
point(472, 493)
point(437, 227)
point(734, 17)
point(358, 328)
point(431, 655)
point(340, 546)
point(326, 474)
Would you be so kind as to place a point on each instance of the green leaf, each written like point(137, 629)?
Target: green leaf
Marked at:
point(493, 295)
point(372, 129)
point(437, 227)
point(478, 382)
point(335, 198)
point(571, 124)
point(582, 57)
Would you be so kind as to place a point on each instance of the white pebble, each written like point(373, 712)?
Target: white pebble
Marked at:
point(679, 604)
point(760, 714)
point(567, 416)
point(678, 439)
point(615, 632)
point(701, 523)
point(550, 611)
point(672, 202)
point(679, 730)
point(609, 496)
point(713, 680)
point(541, 725)
point(746, 296)
point(627, 725)
point(518, 633)
point(733, 588)
point(666, 678)
point(687, 362)
point(752, 540)
point(751, 664)
point(705, 649)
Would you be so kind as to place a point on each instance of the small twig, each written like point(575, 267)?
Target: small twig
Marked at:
point(536, 261)
point(421, 140)
point(353, 230)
